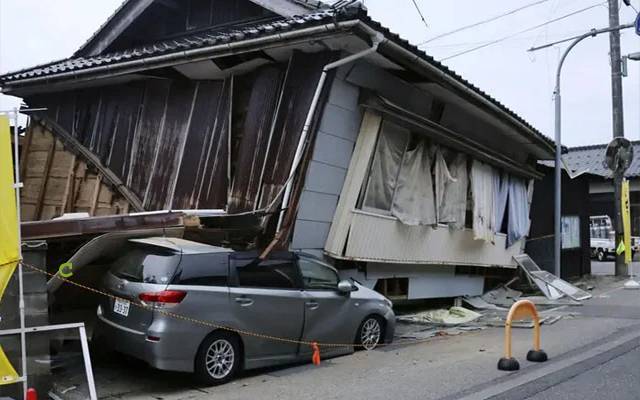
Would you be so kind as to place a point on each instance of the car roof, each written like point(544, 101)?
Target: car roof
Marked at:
point(181, 245)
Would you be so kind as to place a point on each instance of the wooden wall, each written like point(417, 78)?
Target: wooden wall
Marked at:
point(56, 181)
point(183, 144)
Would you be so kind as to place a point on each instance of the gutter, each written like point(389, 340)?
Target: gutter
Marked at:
point(185, 57)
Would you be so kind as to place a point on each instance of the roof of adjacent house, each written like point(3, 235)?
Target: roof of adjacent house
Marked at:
point(591, 159)
point(319, 14)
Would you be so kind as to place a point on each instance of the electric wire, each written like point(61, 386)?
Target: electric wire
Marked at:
point(486, 21)
point(502, 39)
point(420, 13)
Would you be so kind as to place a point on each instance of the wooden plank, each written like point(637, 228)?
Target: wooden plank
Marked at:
point(45, 179)
point(69, 185)
point(365, 146)
point(96, 194)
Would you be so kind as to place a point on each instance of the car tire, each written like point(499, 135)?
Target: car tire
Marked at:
point(370, 333)
point(219, 359)
point(601, 255)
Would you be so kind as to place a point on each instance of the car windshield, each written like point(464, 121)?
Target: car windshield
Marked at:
point(146, 265)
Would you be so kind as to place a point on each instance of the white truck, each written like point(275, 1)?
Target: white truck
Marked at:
point(603, 243)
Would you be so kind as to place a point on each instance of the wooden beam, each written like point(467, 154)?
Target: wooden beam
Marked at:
point(71, 176)
point(45, 178)
point(96, 194)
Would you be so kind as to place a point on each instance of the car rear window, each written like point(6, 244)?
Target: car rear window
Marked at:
point(203, 270)
point(146, 265)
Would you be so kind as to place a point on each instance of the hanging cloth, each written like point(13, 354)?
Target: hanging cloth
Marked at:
point(482, 191)
point(518, 211)
point(452, 207)
point(445, 189)
point(413, 201)
point(501, 187)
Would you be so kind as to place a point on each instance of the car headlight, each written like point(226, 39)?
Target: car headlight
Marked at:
point(388, 303)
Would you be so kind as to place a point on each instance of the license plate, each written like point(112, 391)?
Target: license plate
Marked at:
point(121, 307)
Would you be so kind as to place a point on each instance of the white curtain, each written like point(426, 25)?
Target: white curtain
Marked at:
point(392, 142)
point(482, 190)
point(518, 210)
point(445, 183)
point(413, 202)
point(452, 185)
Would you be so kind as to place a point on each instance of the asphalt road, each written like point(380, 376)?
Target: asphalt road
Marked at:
point(618, 378)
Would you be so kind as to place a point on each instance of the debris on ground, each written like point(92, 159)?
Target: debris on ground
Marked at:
point(451, 317)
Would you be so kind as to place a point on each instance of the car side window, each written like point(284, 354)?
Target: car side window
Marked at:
point(203, 270)
point(315, 275)
point(273, 274)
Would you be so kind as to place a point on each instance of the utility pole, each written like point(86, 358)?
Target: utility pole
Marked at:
point(618, 122)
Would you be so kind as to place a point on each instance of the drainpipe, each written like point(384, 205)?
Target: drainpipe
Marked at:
point(377, 39)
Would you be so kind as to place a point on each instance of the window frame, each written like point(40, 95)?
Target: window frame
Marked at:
point(321, 263)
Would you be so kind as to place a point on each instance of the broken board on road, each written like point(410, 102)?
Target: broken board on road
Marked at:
point(552, 286)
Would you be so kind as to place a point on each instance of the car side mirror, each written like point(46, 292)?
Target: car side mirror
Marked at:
point(345, 287)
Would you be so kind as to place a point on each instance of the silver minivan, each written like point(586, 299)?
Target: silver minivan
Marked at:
point(189, 290)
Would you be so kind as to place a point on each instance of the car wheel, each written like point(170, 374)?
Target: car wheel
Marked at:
point(370, 333)
point(601, 255)
point(218, 358)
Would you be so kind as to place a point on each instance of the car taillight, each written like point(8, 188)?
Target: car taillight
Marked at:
point(166, 296)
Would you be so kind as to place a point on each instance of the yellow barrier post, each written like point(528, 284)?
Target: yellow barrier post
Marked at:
point(520, 310)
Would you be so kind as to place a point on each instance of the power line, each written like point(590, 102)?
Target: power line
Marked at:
point(486, 21)
point(521, 32)
point(420, 13)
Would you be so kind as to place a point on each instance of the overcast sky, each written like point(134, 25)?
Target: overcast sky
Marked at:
point(35, 31)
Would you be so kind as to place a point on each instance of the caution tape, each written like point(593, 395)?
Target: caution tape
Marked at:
point(315, 346)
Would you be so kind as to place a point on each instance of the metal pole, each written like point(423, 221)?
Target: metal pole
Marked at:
point(618, 123)
point(17, 185)
point(557, 248)
point(557, 244)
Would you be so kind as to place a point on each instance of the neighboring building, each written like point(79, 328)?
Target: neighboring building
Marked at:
point(407, 176)
point(591, 159)
point(575, 259)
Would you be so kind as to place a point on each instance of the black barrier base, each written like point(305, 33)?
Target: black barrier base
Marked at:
point(537, 356)
point(508, 364)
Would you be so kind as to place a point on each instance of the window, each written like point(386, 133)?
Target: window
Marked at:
point(315, 275)
point(383, 175)
point(269, 274)
point(148, 265)
point(203, 270)
point(570, 232)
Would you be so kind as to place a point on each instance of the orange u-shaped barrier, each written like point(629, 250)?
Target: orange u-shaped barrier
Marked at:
point(520, 310)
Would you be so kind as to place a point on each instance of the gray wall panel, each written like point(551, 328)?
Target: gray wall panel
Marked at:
point(325, 178)
point(333, 150)
point(335, 139)
point(309, 233)
point(316, 206)
point(340, 122)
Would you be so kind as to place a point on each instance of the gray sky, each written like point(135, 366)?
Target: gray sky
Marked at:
point(35, 31)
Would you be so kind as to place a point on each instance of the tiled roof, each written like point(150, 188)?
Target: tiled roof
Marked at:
point(239, 33)
point(591, 159)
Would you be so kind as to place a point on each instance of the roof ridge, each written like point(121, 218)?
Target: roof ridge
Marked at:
point(595, 146)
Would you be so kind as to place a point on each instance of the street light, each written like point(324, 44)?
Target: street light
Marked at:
point(557, 251)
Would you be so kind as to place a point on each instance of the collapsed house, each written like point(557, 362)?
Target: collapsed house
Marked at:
point(333, 135)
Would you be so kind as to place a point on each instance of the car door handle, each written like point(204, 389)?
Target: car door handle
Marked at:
point(312, 305)
point(244, 301)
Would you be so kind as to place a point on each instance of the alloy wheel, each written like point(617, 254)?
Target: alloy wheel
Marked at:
point(370, 334)
point(219, 359)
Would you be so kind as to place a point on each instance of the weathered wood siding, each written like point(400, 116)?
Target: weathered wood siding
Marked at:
point(184, 144)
